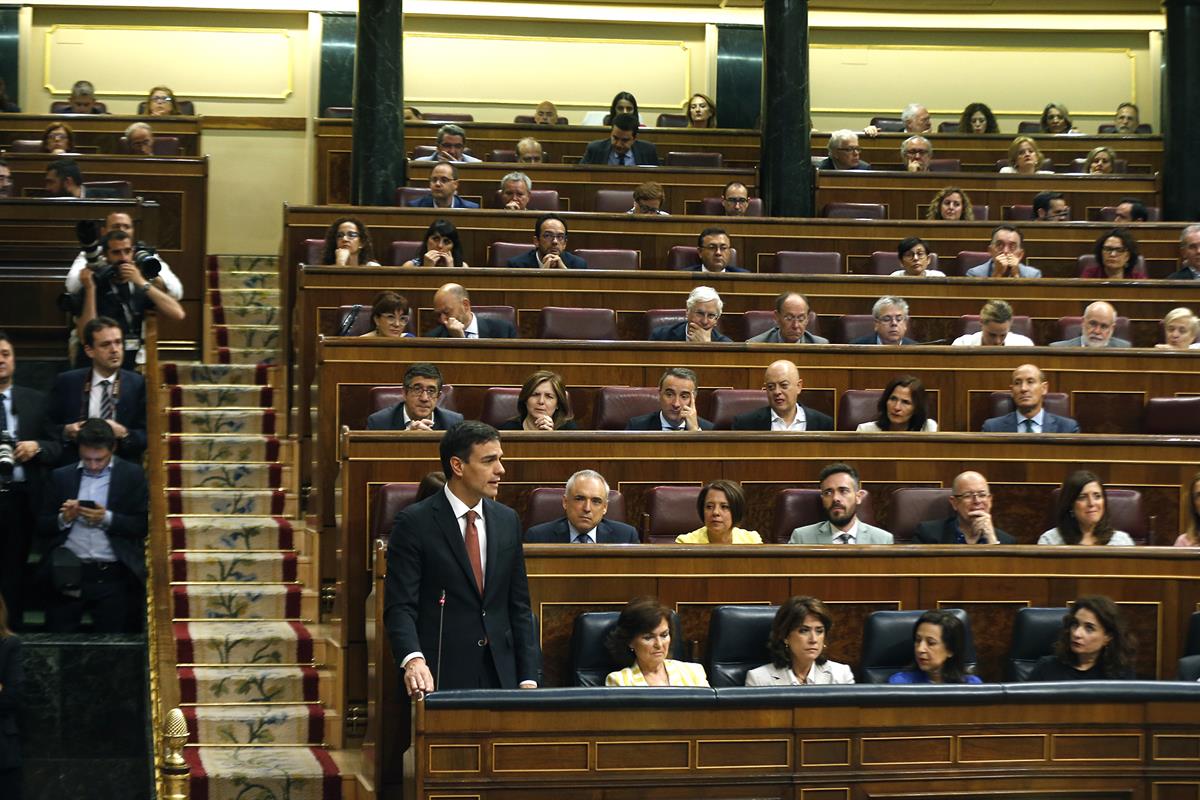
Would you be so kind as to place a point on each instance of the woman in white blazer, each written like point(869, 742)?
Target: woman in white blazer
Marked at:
point(797, 645)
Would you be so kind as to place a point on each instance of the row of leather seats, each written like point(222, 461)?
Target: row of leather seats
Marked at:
point(163, 146)
point(890, 124)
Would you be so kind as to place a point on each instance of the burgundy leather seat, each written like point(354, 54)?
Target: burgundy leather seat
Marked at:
point(856, 406)
point(592, 324)
point(854, 211)
point(686, 159)
point(611, 258)
point(729, 403)
point(913, 505)
point(616, 405)
point(801, 262)
point(670, 511)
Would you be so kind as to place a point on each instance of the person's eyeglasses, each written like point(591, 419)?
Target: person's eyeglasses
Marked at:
point(1113, 251)
point(162, 98)
point(706, 315)
point(915, 153)
point(716, 248)
point(792, 319)
point(428, 391)
point(973, 495)
point(349, 235)
point(915, 255)
point(849, 149)
point(738, 201)
point(397, 319)
point(554, 237)
point(891, 318)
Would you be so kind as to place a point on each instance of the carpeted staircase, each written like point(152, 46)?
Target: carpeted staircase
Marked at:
point(252, 662)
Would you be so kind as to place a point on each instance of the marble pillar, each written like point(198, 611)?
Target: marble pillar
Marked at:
point(1181, 122)
point(785, 169)
point(378, 164)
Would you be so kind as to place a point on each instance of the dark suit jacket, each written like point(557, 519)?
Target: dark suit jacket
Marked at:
point(728, 268)
point(392, 419)
point(1182, 274)
point(945, 531)
point(425, 557)
point(871, 337)
point(828, 164)
point(426, 201)
point(489, 328)
point(678, 333)
point(651, 422)
point(67, 405)
point(558, 532)
point(760, 420)
point(1052, 423)
point(530, 260)
point(644, 153)
point(128, 501)
point(31, 406)
point(12, 679)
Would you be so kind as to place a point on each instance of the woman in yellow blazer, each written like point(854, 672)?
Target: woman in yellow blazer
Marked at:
point(721, 505)
point(643, 636)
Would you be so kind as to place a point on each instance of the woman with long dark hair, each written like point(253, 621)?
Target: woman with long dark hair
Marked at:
point(1094, 644)
point(1082, 514)
point(441, 246)
point(797, 644)
point(938, 642)
point(348, 244)
point(902, 407)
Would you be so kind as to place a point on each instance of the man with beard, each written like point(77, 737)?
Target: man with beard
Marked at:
point(840, 497)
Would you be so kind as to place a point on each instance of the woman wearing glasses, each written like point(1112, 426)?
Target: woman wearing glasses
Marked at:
point(390, 314)
point(1117, 257)
point(348, 244)
point(161, 102)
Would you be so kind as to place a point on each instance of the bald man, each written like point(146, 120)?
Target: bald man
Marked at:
point(453, 305)
point(783, 411)
point(1099, 324)
point(1029, 389)
point(971, 500)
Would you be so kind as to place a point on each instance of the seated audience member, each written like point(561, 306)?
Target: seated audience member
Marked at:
point(7, 106)
point(1056, 119)
point(1082, 514)
point(585, 502)
point(431, 484)
point(623, 103)
point(1029, 389)
point(529, 151)
point(348, 244)
point(451, 144)
point(1117, 257)
point(94, 520)
point(453, 305)
point(916, 119)
point(1100, 161)
point(891, 323)
point(139, 138)
point(160, 102)
point(442, 246)
point(1094, 644)
point(721, 505)
point(701, 111)
point(113, 394)
point(64, 179)
point(546, 113)
point(1189, 254)
point(58, 139)
point(1180, 329)
point(714, 250)
point(977, 118)
point(676, 405)
point(797, 645)
point(622, 148)
point(443, 189)
point(1007, 248)
point(6, 181)
point(642, 639)
point(735, 199)
point(844, 152)
point(951, 203)
point(1099, 324)
point(390, 314)
point(902, 407)
point(915, 153)
point(412, 114)
point(542, 405)
point(938, 643)
point(1125, 120)
point(83, 99)
point(995, 328)
point(914, 260)
point(1024, 158)
point(791, 322)
point(841, 494)
point(783, 411)
point(515, 190)
point(418, 409)
point(648, 198)
point(971, 523)
point(166, 280)
point(703, 312)
point(550, 247)
point(1191, 532)
point(1051, 207)
point(1130, 209)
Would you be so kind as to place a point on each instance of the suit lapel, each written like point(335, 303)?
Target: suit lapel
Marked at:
point(825, 533)
point(448, 525)
point(493, 545)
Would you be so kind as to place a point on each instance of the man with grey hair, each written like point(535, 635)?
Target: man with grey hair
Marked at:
point(916, 118)
point(529, 151)
point(704, 307)
point(515, 190)
point(451, 146)
point(995, 328)
point(676, 405)
point(139, 138)
point(585, 502)
point(83, 99)
point(791, 322)
point(917, 152)
point(1189, 254)
point(891, 322)
point(844, 152)
point(1099, 324)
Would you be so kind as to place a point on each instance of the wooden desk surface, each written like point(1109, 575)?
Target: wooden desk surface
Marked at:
point(102, 131)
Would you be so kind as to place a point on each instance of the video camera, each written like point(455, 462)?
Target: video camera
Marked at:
point(8, 457)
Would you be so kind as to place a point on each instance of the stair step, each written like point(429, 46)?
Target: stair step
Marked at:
point(295, 773)
point(245, 315)
point(251, 684)
point(264, 642)
point(232, 601)
point(256, 502)
point(228, 448)
point(234, 567)
point(229, 395)
point(217, 374)
point(248, 355)
point(231, 534)
point(242, 279)
point(242, 263)
point(244, 298)
point(256, 724)
point(217, 475)
point(209, 421)
point(246, 337)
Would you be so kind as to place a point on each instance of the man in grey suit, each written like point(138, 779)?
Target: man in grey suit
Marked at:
point(1029, 388)
point(418, 410)
point(1099, 323)
point(1007, 249)
point(585, 502)
point(791, 322)
point(840, 495)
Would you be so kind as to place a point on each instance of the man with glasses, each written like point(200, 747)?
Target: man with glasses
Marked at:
point(458, 321)
point(1007, 249)
point(791, 322)
point(418, 411)
point(917, 152)
point(971, 500)
point(703, 311)
point(735, 200)
point(451, 144)
point(443, 189)
point(550, 252)
point(1051, 207)
point(891, 323)
point(783, 411)
point(1099, 324)
point(844, 152)
point(712, 245)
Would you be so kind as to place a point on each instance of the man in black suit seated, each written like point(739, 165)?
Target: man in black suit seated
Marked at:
point(783, 411)
point(1029, 389)
point(844, 152)
point(443, 189)
point(735, 200)
point(622, 148)
point(703, 311)
point(585, 503)
point(971, 500)
point(418, 411)
point(676, 405)
point(1189, 255)
point(456, 600)
point(93, 526)
point(891, 323)
point(453, 305)
point(550, 251)
point(712, 245)
point(102, 391)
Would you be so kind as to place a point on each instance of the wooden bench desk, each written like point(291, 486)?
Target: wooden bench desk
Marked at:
point(102, 131)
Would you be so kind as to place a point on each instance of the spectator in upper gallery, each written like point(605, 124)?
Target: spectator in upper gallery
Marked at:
point(1125, 120)
point(443, 189)
point(1181, 327)
point(64, 179)
point(721, 505)
point(1007, 248)
point(1117, 257)
point(1051, 207)
point(1025, 158)
point(453, 306)
point(550, 247)
point(529, 151)
point(451, 146)
point(783, 411)
point(648, 198)
point(844, 152)
point(622, 147)
point(791, 322)
point(916, 152)
point(1189, 255)
point(58, 138)
point(546, 113)
point(542, 405)
point(390, 315)
point(160, 102)
point(977, 118)
point(585, 503)
point(676, 405)
point(703, 311)
point(6, 181)
point(1100, 161)
point(971, 499)
point(915, 259)
point(735, 199)
point(1082, 515)
point(701, 111)
point(951, 203)
point(1099, 324)
point(418, 408)
point(622, 103)
point(891, 323)
point(1130, 209)
point(903, 406)
point(515, 190)
point(348, 244)
point(441, 245)
point(1029, 389)
point(995, 328)
point(83, 99)
point(712, 245)
point(1056, 119)
point(139, 138)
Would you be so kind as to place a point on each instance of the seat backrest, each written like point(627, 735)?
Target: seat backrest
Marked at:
point(885, 262)
point(167, 146)
point(390, 499)
point(853, 326)
point(1189, 669)
point(795, 508)
point(671, 121)
point(614, 201)
point(947, 127)
point(856, 406)
point(362, 319)
point(448, 116)
point(25, 146)
point(712, 206)
point(1029, 126)
point(912, 505)
point(502, 156)
point(801, 262)
point(971, 258)
point(854, 211)
point(545, 504)
point(616, 405)
point(756, 321)
point(1125, 510)
point(737, 642)
point(888, 642)
point(981, 212)
point(94, 189)
point(589, 324)
point(500, 252)
point(590, 661)
point(407, 195)
point(504, 313)
point(1070, 327)
point(1019, 212)
point(670, 511)
point(1035, 630)
point(970, 323)
point(1176, 416)
point(313, 250)
point(888, 124)
point(381, 397)
point(611, 258)
point(682, 256)
point(1109, 213)
point(402, 252)
point(339, 112)
point(687, 159)
point(657, 317)
point(945, 165)
point(1001, 403)
point(1192, 647)
point(423, 151)
point(729, 403)
point(499, 404)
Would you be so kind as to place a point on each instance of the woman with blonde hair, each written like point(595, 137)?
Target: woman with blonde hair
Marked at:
point(951, 203)
point(1100, 161)
point(701, 111)
point(1180, 328)
point(1024, 158)
point(1191, 534)
point(160, 102)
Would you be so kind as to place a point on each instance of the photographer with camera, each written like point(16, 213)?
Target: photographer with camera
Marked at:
point(91, 254)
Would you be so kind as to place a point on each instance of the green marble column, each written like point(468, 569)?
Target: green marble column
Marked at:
point(378, 164)
point(785, 169)
point(338, 30)
point(10, 52)
point(1181, 122)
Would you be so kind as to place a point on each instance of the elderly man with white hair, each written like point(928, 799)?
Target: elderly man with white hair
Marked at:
point(844, 152)
point(916, 118)
point(703, 311)
point(916, 152)
point(585, 502)
point(515, 191)
point(139, 137)
point(1189, 255)
point(1099, 323)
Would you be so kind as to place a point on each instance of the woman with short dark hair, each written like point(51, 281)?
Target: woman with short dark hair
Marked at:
point(390, 314)
point(542, 405)
point(1094, 644)
point(720, 505)
point(938, 643)
point(797, 644)
point(641, 640)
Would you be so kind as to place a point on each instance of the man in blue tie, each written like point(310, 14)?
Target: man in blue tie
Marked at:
point(1029, 388)
point(622, 148)
point(585, 502)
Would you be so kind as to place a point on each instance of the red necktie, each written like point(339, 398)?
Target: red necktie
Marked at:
point(471, 538)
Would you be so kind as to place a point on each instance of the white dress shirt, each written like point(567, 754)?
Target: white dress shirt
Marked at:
point(97, 392)
point(976, 340)
point(798, 423)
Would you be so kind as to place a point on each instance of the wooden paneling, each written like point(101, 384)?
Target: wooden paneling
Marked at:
point(101, 131)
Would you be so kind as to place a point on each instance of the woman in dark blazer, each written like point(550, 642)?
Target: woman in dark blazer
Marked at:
point(542, 405)
point(11, 678)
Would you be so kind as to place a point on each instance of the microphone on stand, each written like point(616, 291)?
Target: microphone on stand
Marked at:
point(437, 684)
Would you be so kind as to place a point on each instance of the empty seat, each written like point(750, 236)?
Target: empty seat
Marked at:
point(590, 324)
point(505, 313)
point(969, 323)
point(912, 505)
point(756, 321)
point(423, 151)
point(25, 146)
point(590, 661)
point(714, 207)
point(1001, 403)
point(795, 508)
point(403, 252)
point(729, 403)
point(1070, 327)
point(1189, 669)
point(100, 189)
point(500, 252)
point(657, 317)
point(800, 262)
point(947, 127)
point(1017, 213)
point(616, 405)
point(545, 505)
point(539, 200)
point(1125, 510)
point(381, 397)
point(499, 404)
point(1035, 630)
point(682, 256)
point(313, 250)
point(614, 201)
point(885, 262)
point(971, 258)
point(853, 326)
point(611, 258)
point(670, 511)
point(1029, 126)
point(981, 212)
point(502, 156)
point(854, 211)
point(1172, 416)
point(448, 116)
point(678, 159)
point(390, 499)
point(888, 124)
point(671, 121)
point(737, 642)
point(407, 195)
point(888, 643)
point(945, 165)
point(856, 406)
point(339, 112)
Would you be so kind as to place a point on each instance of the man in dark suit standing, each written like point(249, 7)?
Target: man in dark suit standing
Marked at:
point(585, 503)
point(95, 511)
point(622, 148)
point(1029, 390)
point(783, 411)
point(453, 304)
point(457, 598)
point(971, 523)
point(418, 411)
point(676, 405)
point(550, 251)
point(103, 391)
